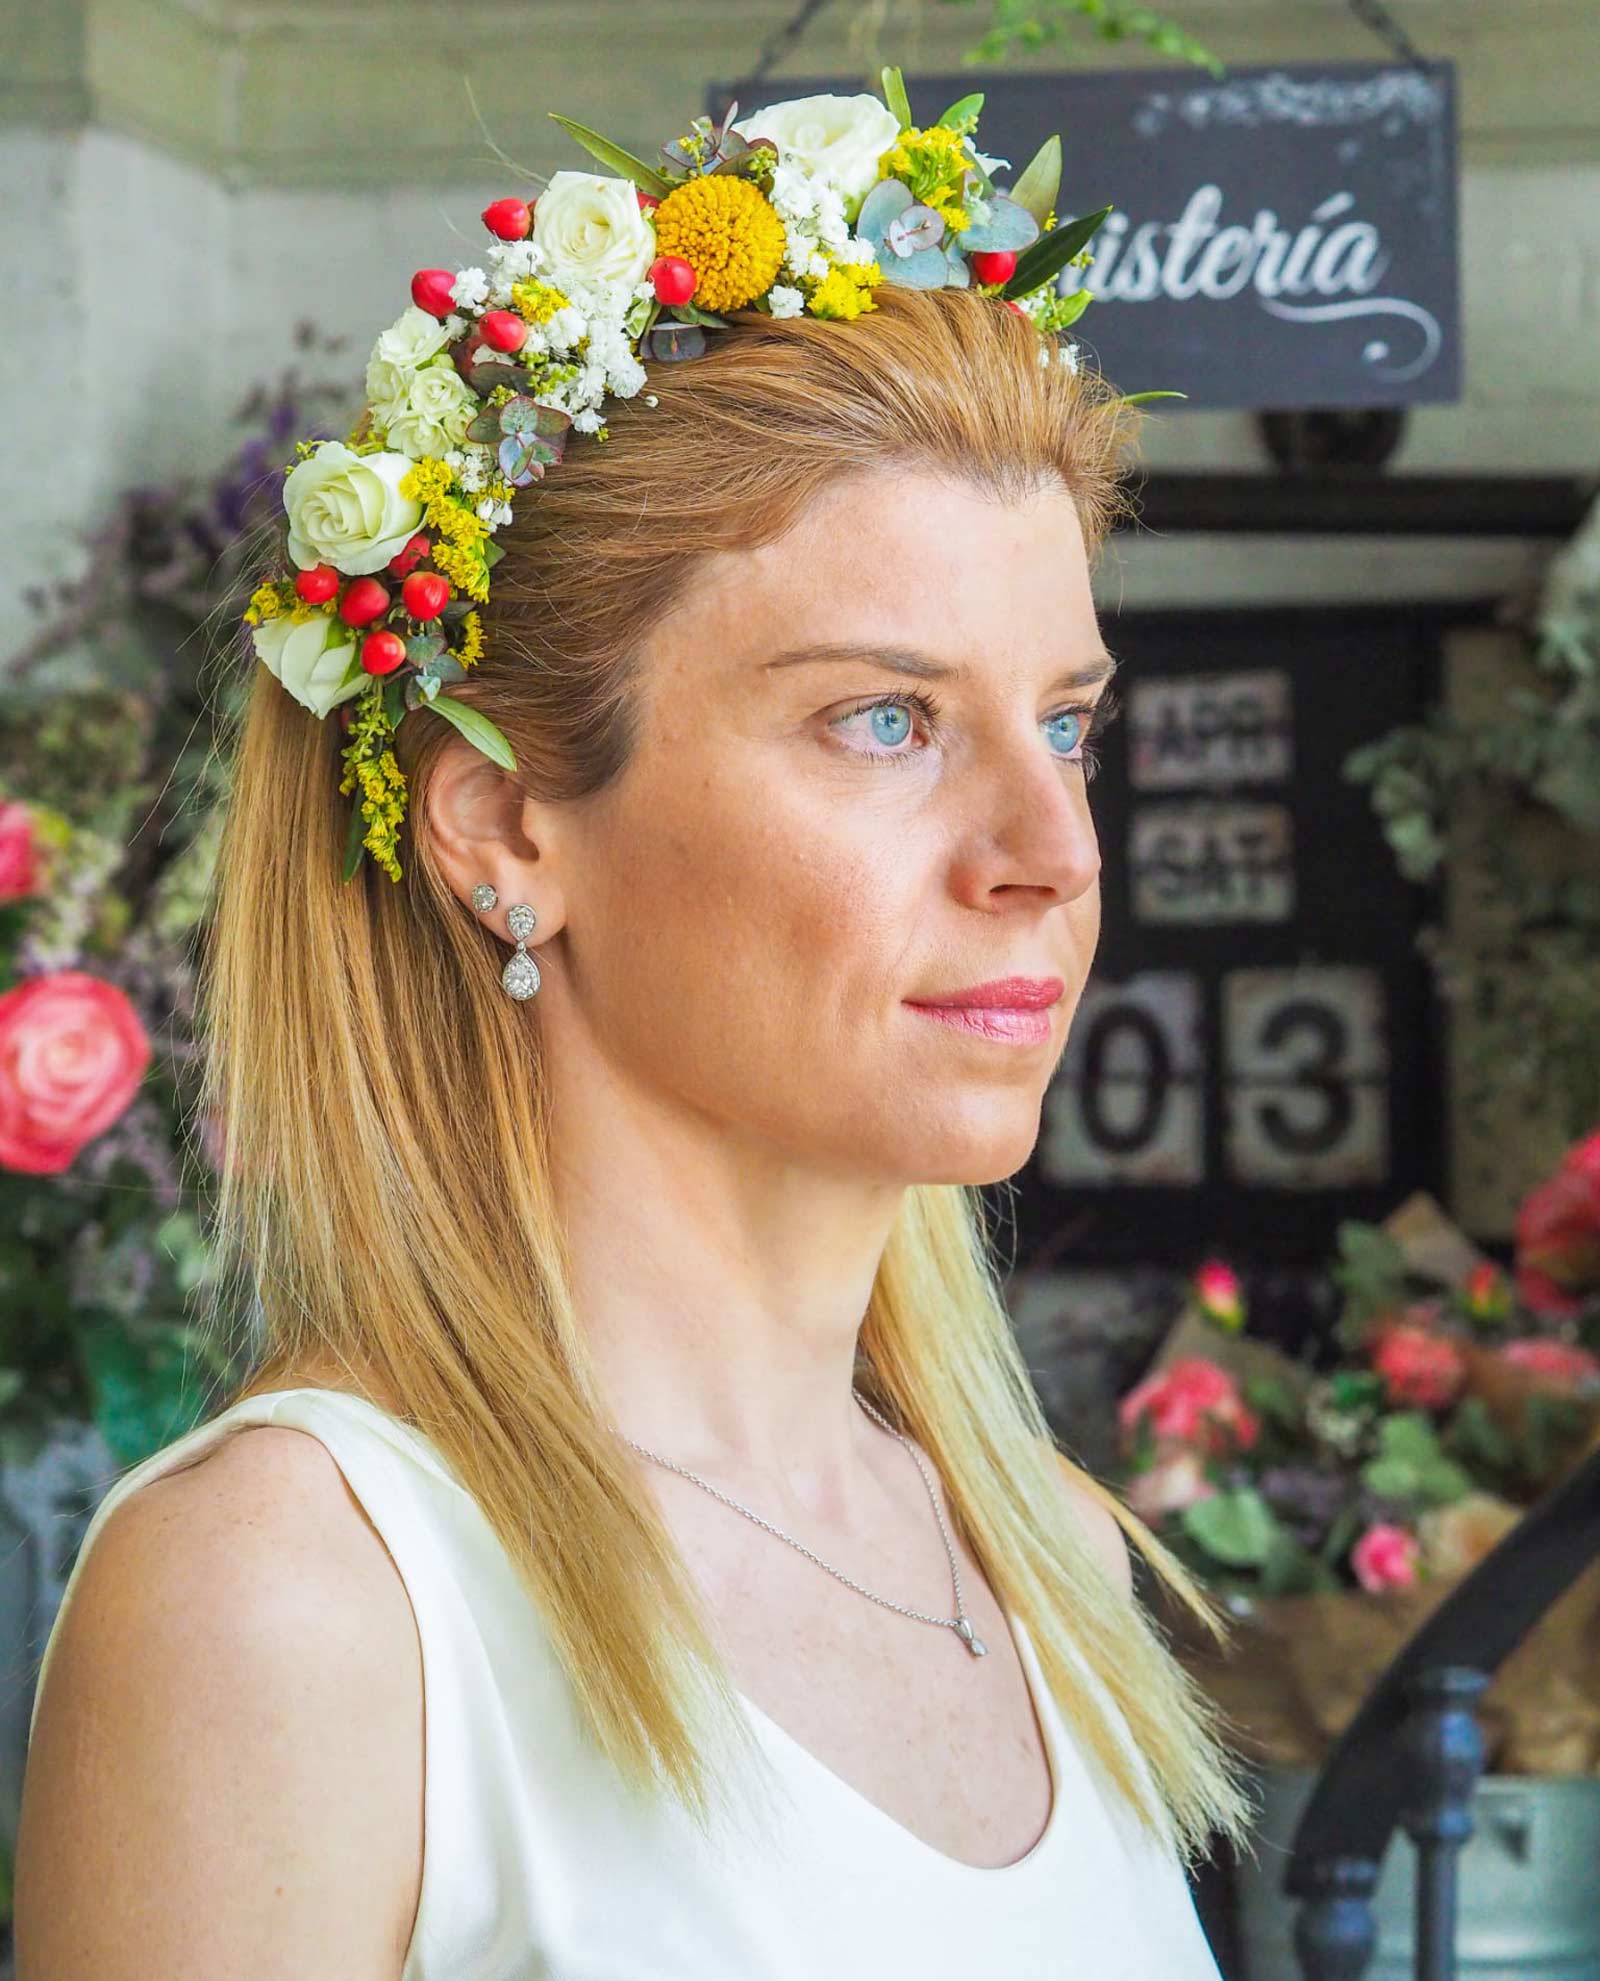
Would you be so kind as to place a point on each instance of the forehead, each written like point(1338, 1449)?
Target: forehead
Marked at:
point(906, 560)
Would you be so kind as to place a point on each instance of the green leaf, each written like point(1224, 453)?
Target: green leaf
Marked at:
point(1137, 398)
point(1238, 1527)
point(478, 730)
point(492, 553)
point(642, 175)
point(394, 701)
point(1051, 253)
point(1040, 181)
point(353, 839)
point(963, 111)
point(692, 313)
point(11, 1382)
point(894, 94)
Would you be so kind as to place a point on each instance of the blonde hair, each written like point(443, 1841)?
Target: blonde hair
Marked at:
point(386, 1192)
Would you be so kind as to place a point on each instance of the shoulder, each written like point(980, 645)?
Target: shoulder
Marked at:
point(1100, 1525)
point(233, 1718)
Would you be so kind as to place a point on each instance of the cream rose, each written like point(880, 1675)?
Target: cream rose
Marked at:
point(346, 509)
point(591, 229)
point(415, 336)
point(315, 660)
point(433, 413)
point(839, 138)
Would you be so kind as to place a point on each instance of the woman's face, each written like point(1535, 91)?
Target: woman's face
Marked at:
point(752, 911)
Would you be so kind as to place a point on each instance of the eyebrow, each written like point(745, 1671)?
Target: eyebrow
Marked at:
point(1094, 669)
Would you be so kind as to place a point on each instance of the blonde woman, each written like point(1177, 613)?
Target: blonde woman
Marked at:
point(638, 1551)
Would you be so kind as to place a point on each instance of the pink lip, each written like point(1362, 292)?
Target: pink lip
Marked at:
point(1000, 994)
point(1011, 1009)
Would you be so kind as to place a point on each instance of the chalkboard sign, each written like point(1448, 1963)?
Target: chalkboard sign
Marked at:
point(1286, 237)
point(1256, 1054)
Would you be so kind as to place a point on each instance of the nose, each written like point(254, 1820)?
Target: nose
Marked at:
point(1032, 829)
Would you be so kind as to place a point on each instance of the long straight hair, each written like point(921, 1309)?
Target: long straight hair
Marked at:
point(385, 1197)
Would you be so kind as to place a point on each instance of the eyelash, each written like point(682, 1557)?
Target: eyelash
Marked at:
point(1100, 714)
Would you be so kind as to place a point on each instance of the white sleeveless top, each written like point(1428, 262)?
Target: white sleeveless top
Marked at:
point(538, 1865)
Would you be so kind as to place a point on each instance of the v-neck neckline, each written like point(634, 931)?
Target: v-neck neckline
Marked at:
point(1055, 1750)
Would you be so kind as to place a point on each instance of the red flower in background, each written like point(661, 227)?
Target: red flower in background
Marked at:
point(1558, 1235)
point(72, 1054)
point(1560, 1364)
point(1418, 1366)
point(1192, 1401)
point(20, 877)
point(1221, 1298)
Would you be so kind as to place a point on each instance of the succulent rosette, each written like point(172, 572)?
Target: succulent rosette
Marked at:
point(804, 208)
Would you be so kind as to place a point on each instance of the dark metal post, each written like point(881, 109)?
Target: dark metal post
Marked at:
point(1335, 1934)
point(1442, 1752)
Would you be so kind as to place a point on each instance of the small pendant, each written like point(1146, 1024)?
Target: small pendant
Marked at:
point(975, 1645)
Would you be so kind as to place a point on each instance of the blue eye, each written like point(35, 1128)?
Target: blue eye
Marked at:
point(890, 717)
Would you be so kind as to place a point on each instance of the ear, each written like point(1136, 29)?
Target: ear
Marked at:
point(481, 827)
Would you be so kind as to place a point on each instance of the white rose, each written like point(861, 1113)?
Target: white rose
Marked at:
point(591, 229)
point(438, 408)
point(316, 661)
point(413, 338)
point(346, 509)
point(840, 138)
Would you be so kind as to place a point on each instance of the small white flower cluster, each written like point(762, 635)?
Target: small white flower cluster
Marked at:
point(816, 233)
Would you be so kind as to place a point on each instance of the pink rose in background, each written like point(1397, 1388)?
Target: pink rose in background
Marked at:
point(1191, 1401)
point(1418, 1366)
point(1559, 1364)
point(1385, 1558)
point(1169, 1485)
point(72, 1054)
point(1558, 1234)
point(19, 853)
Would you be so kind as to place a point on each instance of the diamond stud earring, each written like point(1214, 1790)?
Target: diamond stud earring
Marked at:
point(521, 974)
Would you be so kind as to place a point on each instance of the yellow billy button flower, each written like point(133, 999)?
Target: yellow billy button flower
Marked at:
point(726, 230)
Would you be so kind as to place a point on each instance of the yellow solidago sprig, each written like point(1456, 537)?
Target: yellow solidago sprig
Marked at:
point(933, 165)
point(845, 292)
point(369, 761)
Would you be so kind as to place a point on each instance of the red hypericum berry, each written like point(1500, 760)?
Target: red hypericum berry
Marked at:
point(503, 329)
point(430, 291)
point(318, 584)
point(509, 218)
point(425, 594)
point(364, 600)
point(1010, 305)
point(647, 201)
point(346, 715)
point(994, 264)
point(382, 653)
point(404, 562)
point(672, 279)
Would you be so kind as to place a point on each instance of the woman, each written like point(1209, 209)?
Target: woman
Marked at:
point(638, 1550)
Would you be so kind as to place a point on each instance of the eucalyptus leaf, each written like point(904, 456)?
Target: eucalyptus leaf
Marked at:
point(1040, 182)
point(447, 668)
point(478, 730)
point(423, 648)
point(913, 228)
point(492, 553)
point(520, 459)
point(483, 378)
point(957, 274)
point(927, 268)
point(644, 176)
point(485, 427)
point(894, 95)
point(1051, 253)
point(672, 341)
point(887, 198)
point(1010, 225)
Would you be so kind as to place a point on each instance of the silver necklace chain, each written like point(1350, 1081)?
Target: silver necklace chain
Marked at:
point(960, 1623)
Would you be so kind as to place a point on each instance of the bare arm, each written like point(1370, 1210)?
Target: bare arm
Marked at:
point(225, 1778)
point(1101, 1527)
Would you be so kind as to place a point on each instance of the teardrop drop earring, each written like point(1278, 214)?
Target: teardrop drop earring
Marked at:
point(520, 977)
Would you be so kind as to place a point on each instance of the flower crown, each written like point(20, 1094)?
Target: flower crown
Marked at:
point(472, 392)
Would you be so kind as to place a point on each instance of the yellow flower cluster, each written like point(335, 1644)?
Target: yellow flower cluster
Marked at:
point(845, 291)
point(459, 532)
point(933, 163)
point(536, 302)
point(370, 761)
point(725, 228)
point(265, 604)
point(470, 650)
